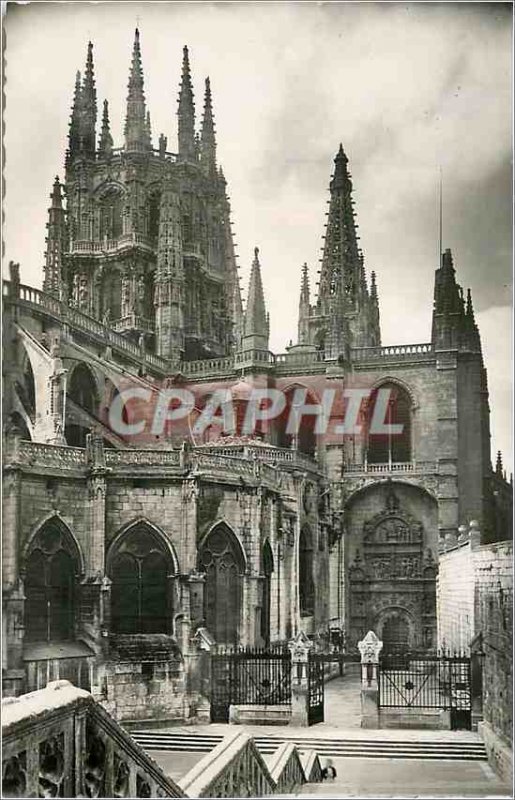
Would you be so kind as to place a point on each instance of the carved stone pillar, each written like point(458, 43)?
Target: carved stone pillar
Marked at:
point(369, 647)
point(299, 647)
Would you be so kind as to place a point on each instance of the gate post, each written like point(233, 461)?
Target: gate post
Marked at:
point(369, 647)
point(299, 648)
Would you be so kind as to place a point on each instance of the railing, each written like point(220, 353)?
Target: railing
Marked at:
point(208, 366)
point(133, 322)
point(51, 455)
point(398, 351)
point(151, 458)
point(272, 455)
point(89, 247)
point(286, 769)
point(254, 357)
point(58, 742)
point(419, 467)
point(234, 768)
point(85, 323)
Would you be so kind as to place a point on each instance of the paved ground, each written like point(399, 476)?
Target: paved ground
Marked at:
point(400, 778)
point(369, 777)
point(363, 777)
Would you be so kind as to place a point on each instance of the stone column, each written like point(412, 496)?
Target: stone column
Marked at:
point(299, 648)
point(369, 647)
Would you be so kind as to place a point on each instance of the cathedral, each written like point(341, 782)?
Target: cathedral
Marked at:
point(127, 558)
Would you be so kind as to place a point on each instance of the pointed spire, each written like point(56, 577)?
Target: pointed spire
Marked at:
point(304, 284)
point(74, 134)
point(105, 145)
point(207, 137)
point(470, 307)
point(89, 106)
point(304, 307)
point(149, 127)
point(373, 286)
point(498, 465)
point(256, 326)
point(186, 112)
point(137, 136)
point(55, 242)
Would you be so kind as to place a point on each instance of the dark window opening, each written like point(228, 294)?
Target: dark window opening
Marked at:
point(222, 561)
point(111, 226)
point(49, 586)
point(306, 582)
point(384, 448)
point(267, 567)
point(140, 600)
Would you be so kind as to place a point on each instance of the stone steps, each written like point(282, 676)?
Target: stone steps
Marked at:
point(335, 748)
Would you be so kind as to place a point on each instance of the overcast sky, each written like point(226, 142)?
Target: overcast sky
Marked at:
point(407, 88)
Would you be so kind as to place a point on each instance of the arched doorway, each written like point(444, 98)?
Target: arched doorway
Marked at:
point(50, 575)
point(267, 567)
point(396, 633)
point(139, 568)
point(222, 560)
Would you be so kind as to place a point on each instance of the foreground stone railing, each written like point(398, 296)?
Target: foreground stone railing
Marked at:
point(286, 769)
point(58, 742)
point(235, 768)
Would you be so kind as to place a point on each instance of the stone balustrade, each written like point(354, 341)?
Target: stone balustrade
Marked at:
point(62, 457)
point(58, 742)
point(235, 768)
point(278, 456)
point(419, 467)
point(286, 769)
point(404, 352)
point(108, 246)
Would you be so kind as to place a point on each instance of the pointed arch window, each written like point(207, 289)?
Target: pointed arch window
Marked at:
point(139, 571)
point(221, 559)
point(306, 582)
point(82, 389)
point(384, 448)
point(50, 576)
point(111, 226)
point(267, 567)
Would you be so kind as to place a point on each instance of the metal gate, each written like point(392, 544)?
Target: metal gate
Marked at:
point(427, 681)
point(249, 677)
point(315, 688)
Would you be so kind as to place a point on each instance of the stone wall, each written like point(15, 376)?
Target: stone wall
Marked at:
point(493, 608)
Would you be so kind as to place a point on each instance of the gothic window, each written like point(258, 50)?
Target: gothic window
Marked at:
point(267, 567)
point(50, 575)
point(385, 448)
point(305, 438)
point(306, 582)
point(154, 203)
point(222, 561)
point(111, 226)
point(139, 571)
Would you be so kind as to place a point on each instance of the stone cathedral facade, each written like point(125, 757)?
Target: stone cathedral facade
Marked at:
point(125, 559)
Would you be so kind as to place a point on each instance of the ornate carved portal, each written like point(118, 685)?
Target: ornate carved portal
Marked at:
point(392, 582)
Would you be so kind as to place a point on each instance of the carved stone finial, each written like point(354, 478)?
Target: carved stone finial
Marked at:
point(299, 647)
point(370, 647)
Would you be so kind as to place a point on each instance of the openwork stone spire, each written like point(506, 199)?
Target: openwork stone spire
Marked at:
point(55, 243)
point(186, 112)
point(105, 145)
point(256, 324)
point(74, 133)
point(89, 106)
point(207, 136)
point(137, 135)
